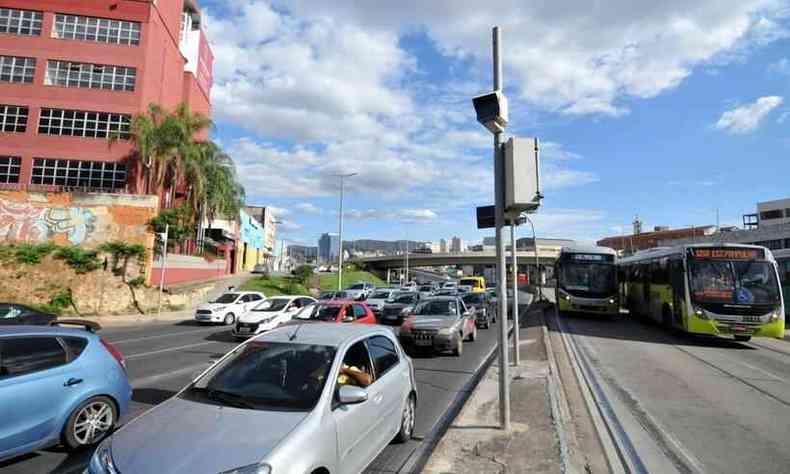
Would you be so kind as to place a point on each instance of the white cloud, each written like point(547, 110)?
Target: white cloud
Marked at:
point(560, 57)
point(780, 67)
point(308, 208)
point(746, 118)
point(570, 223)
point(403, 215)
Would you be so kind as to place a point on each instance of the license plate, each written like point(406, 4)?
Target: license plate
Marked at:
point(740, 329)
point(244, 330)
point(424, 342)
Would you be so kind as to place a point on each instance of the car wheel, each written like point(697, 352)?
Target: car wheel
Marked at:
point(229, 319)
point(459, 347)
point(407, 421)
point(89, 423)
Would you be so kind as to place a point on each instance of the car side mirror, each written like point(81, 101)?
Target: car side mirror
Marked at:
point(351, 395)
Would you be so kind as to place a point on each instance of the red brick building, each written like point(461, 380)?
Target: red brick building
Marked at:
point(74, 72)
point(647, 240)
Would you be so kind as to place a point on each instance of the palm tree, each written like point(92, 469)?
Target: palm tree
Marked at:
point(163, 139)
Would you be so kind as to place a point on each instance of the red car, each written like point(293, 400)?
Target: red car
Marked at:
point(340, 311)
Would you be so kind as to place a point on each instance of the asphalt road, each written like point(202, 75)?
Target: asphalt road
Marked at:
point(691, 404)
point(162, 359)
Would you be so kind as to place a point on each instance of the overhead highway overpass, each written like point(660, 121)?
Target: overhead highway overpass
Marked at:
point(546, 256)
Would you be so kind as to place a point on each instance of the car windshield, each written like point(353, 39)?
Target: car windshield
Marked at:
point(227, 298)
point(406, 299)
point(262, 375)
point(469, 282)
point(589, 278)
point(380, 295)
point(426, 288)
point(274, 304)
point(307, 312)
point(733, 282)
point(326, 312)
point(438, 308)
point(474, 298)
point(357, 286)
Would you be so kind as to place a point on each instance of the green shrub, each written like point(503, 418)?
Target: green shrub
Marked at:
point(31, 254)
point(58, 303)
point(81, 260)
point(136, 282)
point(302, 273)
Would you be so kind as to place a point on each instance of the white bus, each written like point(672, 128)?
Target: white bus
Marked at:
point(714, 289)
point(587, 280)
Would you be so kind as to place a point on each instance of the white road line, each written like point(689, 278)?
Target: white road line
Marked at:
point(151, 379)
point(769, 374)
point(169, 349)
point(157, 336)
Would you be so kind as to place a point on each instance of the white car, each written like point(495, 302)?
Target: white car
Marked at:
point(450, 285)
point(379, 297)
point(270, 314)
point(360, 290)
point(228, 307)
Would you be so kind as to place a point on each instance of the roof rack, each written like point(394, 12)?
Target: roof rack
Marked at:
point(90, 326)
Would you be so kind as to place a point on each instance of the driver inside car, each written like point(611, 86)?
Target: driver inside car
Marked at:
point(354, 371)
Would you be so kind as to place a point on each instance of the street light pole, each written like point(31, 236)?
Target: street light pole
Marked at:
point(514, 263)
point(340, 232)
point(537, 259)
point(162, 270)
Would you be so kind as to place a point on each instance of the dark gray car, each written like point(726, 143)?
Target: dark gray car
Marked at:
point(439, 324)
point(393, 312)
point(480, 305)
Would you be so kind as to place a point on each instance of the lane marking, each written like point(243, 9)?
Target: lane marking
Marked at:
point(158, 336)
point(763, 371)
point(151, 379)
point(170, 349)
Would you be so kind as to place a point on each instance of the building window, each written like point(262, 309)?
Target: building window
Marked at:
point(772, 214)
point(90, 76)
point(78, 123)
point(101, 30)
point(13, 118)
point(17, 69)
point(10, 167)
point(79, 174)
point(20, 22)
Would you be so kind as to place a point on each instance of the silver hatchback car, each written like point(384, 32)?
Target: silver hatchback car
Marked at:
point(304, 399)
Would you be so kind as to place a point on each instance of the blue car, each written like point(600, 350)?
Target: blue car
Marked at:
point(58, 385)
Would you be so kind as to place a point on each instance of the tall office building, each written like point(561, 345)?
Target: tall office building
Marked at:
point(73, 73)
point(442, 246)
point(328, 246)
point(457, 245)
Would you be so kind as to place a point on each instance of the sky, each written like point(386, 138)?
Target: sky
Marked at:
point(667, 110)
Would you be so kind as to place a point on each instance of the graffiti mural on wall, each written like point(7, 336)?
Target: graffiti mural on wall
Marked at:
point(26, 223)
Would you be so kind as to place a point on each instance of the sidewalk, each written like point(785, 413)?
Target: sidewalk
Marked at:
point(475, 444)
point(220, 286)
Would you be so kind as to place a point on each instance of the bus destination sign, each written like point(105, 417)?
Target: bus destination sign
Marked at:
point(725, 253)
point(591, 257)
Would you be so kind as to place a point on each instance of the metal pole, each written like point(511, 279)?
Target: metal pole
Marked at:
point(340, 244)
point(162, 271)
point(499, 199)
point(407, 261)
point(340, 233)
point(537, 259)
point(516, 351)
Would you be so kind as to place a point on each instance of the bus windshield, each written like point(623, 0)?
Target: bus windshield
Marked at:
point(588, 279)
point(733, 282)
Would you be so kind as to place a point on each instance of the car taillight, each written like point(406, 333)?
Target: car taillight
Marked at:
point(115, 353)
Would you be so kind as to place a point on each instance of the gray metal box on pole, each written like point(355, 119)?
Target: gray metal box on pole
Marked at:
point(522, 175)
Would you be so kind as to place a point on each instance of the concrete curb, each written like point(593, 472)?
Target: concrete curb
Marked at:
point(419, 458)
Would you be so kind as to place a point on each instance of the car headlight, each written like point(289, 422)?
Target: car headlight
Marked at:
point(775, 316)
point(612, 301)
point(700, 313)
point(101, 462)
point(259, 468)
point(220, 308)
point(445, 332)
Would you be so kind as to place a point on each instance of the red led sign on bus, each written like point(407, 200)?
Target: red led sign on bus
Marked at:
point(728, 253)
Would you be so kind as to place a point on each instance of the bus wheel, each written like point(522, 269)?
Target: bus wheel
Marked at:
point(743, 338)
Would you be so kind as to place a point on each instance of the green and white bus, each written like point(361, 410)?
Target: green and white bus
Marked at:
point(714, 289)
point(587, 281)
point(783, 262)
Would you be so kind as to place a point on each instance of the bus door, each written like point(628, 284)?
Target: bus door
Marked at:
point(678, 283)
point(647, 275)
